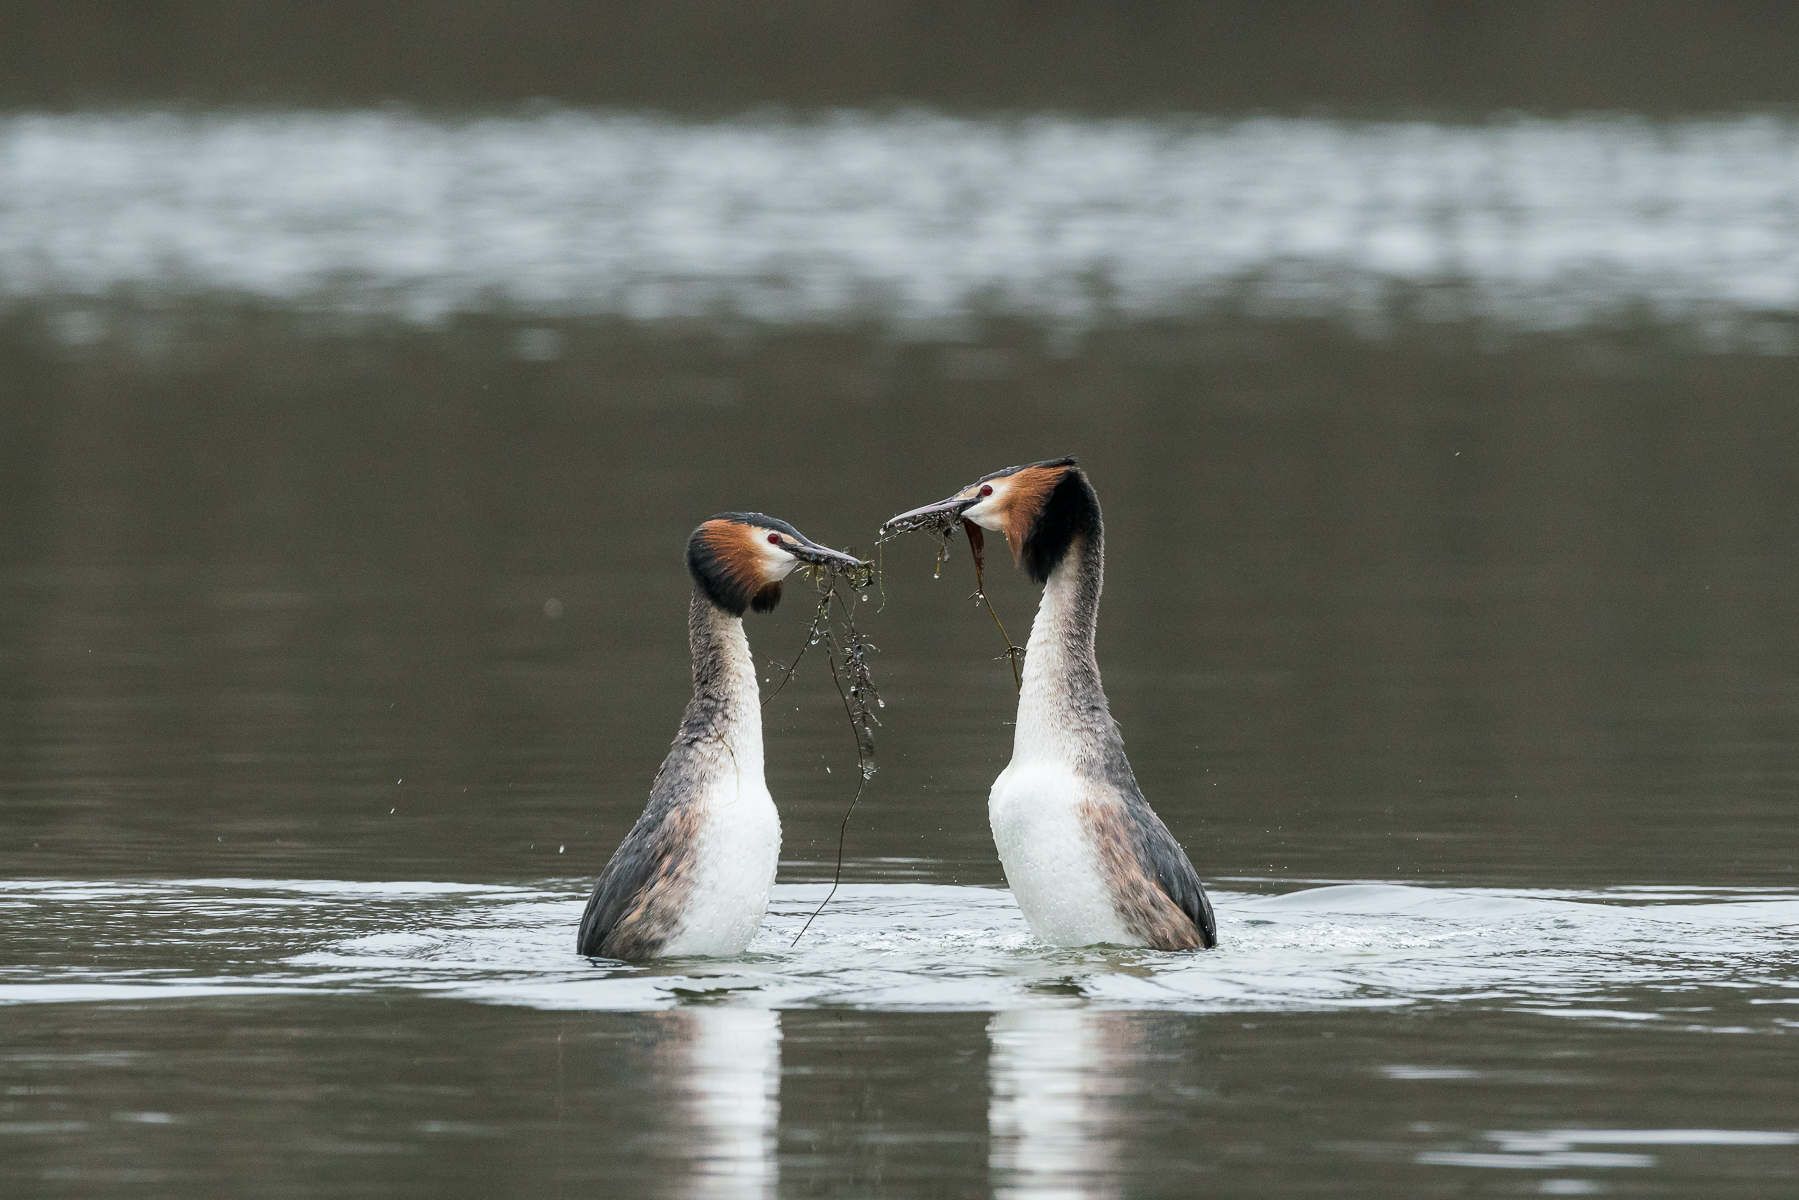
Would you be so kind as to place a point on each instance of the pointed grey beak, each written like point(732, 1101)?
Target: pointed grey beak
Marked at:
point(941, 514)
point(813, 554)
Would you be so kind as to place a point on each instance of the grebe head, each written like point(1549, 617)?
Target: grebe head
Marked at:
point(1040, 507)
point(739, 559)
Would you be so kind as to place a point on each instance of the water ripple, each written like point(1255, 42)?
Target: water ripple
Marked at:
point(1722, 960)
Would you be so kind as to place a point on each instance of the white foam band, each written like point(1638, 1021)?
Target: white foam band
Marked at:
point(913, 218)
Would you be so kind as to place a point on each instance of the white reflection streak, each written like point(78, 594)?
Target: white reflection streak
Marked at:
point(1047, 1120)
point(729, 1064)
point(1548, 223)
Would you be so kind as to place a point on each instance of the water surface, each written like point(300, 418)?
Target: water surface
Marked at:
point(917, 220)
point(1705, 959)
point(916, 1041)
point(1450, 472)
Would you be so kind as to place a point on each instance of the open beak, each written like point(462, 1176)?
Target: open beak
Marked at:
point(942, 514)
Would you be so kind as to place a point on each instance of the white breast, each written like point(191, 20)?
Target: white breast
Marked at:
point(1050, 861)
point(1035, 806)
point(737, 848)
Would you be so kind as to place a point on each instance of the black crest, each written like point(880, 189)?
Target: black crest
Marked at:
point(1003, 472)
point(1070, 511)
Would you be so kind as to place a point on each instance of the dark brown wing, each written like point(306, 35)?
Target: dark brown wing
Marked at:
point(1174, 874)
point(636, 905)
point(1158, 891)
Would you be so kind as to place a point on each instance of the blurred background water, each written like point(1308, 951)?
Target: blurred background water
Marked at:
point(917, 222)
point(363, 369)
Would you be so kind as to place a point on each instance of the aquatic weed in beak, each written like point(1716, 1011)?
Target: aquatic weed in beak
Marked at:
point(847, 651)
point(940, 521)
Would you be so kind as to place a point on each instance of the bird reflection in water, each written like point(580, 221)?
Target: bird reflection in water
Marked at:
point(724, 1065)
point(1054, 1131)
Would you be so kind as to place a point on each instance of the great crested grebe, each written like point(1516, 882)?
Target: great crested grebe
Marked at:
point(1087, 858)
point(694, 873)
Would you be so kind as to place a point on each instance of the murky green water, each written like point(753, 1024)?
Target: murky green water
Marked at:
point(278, 606)
point(1451, 478)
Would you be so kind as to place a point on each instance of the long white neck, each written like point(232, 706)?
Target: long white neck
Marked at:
point(726, 709)
point(1062, 712)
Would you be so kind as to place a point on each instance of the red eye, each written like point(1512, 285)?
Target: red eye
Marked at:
point(774, 539)
point(986, 489)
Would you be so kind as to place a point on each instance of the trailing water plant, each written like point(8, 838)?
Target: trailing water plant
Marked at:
point(942, 526)
point(847, 651)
